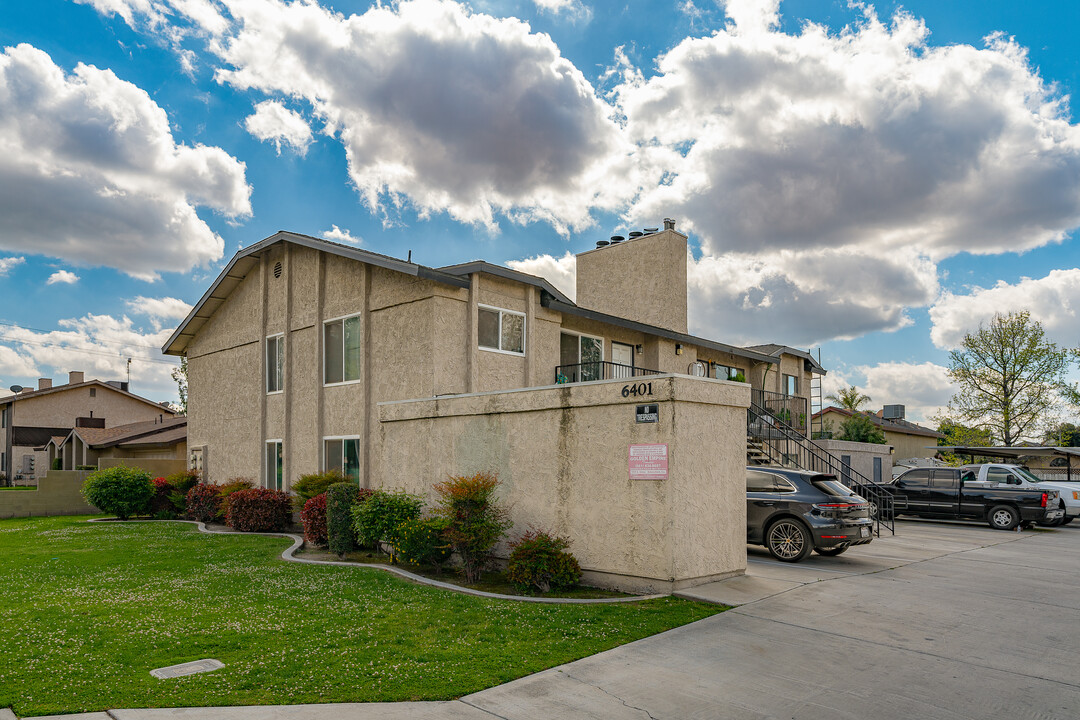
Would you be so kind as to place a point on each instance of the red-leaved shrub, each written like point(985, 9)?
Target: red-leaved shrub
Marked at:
point(160, 503)
point(259, 510)
point(203, 503)
point(314, 518)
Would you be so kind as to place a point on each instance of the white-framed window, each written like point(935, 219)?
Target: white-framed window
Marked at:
point(342, 350)
point(791, 385)
point(275, 363)
point(582, 356)
point(275, 469)
point(342, 454)
point(500, 330)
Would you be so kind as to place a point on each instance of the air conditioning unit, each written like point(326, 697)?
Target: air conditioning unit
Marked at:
point(892, 412)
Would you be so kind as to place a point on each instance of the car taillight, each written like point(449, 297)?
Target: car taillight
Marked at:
point(1044, 500)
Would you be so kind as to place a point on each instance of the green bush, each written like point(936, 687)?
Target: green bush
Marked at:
point(119, 491)
point(420, 541)
point(859, 428)
point(340, 536)
point(58, 463)
point(474, 522)
point(539, 561)
point(377, 519)
point(308, 486)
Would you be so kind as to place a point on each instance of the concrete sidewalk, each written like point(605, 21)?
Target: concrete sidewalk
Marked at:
point(944, 620)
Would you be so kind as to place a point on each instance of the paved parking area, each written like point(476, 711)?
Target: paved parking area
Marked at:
point(942, 621)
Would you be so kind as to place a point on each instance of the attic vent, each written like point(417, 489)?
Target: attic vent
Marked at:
point(277, 269)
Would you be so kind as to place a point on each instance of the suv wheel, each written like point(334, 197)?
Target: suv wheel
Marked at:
point(1003, 517)
point(789, 540)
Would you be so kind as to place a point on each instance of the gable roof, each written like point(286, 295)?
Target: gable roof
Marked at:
point(31, 394)
point(777, 350)
point(34, 436)
point(150, 431)
point(896, 426)
point(507, 273)
point(247, 258)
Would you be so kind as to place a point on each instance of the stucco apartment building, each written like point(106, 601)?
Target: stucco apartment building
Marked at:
point(33, 418)
point(299, 339)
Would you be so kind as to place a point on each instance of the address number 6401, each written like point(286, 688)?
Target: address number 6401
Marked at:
point(637, 389)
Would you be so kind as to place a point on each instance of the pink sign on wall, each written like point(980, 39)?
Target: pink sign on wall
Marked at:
point(648, 462)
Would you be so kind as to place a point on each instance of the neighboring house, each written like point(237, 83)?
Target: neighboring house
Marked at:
point(31, 420)
point(159, 445)
point(907, 439)
point(298, 339)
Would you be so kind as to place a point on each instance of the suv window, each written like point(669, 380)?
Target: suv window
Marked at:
point(916, 478)
point(784, 485)
point(757, 481)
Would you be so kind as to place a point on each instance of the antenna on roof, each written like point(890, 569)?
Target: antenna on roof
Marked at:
point(129, 372)
point(410, 257)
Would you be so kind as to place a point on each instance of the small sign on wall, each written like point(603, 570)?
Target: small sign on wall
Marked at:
point(648, 413)
point(649, 462)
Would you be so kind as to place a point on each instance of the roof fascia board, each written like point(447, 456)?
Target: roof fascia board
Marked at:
point(555, 304)
point(507, 274)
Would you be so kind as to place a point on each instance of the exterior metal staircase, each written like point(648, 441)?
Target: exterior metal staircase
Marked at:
point(771, 441)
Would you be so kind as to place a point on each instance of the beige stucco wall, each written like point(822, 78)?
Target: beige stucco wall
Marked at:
point(641, 279)
point(862, 456)
point(561, 456)
point(58, 493)
point(911, 446)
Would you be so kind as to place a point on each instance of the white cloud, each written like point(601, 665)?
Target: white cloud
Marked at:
point(172, 19)
point(1052, 300)
point(336, 234)
point(573, 10)
point(923, 388)
point(9, 262)
point(91, 172)
point(560, 272)
point(62, 276)
point(159, 309)
point(276, 123)
point(99, 345)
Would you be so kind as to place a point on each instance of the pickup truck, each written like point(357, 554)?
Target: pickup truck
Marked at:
point(999, 475)
point(945, 493)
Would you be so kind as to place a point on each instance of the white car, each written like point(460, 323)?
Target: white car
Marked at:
point(995, 474)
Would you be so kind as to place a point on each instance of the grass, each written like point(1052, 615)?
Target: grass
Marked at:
point(89, 609)
point(20, 487)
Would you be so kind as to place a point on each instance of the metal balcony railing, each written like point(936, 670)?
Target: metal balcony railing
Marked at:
point(598, 370)
point(789, 409)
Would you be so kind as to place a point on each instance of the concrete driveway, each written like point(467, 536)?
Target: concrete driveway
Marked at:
point(944, 620)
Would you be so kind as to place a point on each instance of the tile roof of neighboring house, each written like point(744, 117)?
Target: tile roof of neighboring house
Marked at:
point(245, 260)
point(34, 436)
point(31, 394)
point(897, 426)
point(150, 431)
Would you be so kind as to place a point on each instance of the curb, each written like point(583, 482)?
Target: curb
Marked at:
point(297, 541)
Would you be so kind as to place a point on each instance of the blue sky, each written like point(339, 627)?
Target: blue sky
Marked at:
point(871, 181)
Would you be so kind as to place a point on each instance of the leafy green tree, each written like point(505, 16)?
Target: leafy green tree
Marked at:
point(859, 428)
point(957, 434)
point(1010, 377)
point(849, 398)
point(1063, 435)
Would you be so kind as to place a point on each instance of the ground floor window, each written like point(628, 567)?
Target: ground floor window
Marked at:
point(342, 454)
point(275, 470)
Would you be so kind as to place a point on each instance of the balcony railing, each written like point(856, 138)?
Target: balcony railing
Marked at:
point(598, 370)
point(788, 409)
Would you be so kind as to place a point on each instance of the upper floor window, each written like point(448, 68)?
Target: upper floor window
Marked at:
point(341, 350)
point(502, 330)
point(275, 363)
point(791, 385)
point(726, 372)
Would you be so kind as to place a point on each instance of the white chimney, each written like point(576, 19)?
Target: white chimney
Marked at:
point(75, 377)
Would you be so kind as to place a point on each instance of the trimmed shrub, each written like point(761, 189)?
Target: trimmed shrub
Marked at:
point(259, 510)
point(57, 464)
point(119, 491)
point(203, 503)
point(539, 562)
point(161, 506)
point(420, 542)
point(308, 486)
point(377, 518)
point(474, 522)
point(226, 490)
point(313, 516)
point(340, 536)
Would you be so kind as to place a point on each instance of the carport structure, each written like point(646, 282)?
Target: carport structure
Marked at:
point(1015, 452)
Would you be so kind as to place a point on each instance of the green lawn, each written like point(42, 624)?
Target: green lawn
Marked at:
point(20, 487)
point(90, 608)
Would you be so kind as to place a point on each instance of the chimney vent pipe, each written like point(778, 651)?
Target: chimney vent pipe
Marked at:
point(669, 224)
point(616, 239)
point(601, 243)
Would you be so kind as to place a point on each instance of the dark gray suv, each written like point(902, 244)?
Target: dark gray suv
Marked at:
point(795, 512)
